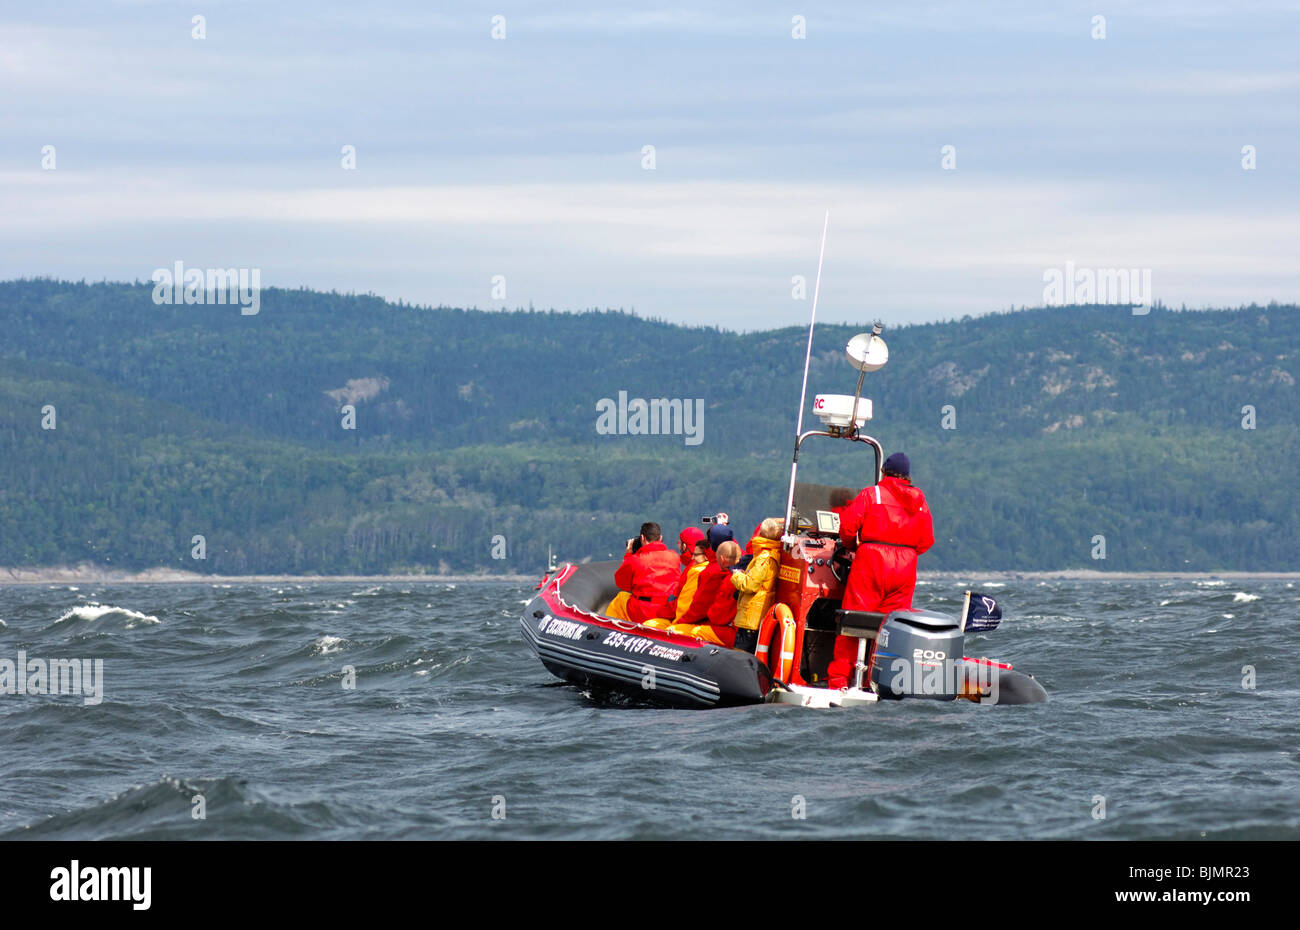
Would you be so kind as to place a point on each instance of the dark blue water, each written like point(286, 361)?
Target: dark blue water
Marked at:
point(234, 695)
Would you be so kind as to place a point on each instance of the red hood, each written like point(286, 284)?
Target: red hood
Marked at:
point(911, 498)
point(690, 536)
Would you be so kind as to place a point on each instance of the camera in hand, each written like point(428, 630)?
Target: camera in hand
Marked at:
point(635, 543)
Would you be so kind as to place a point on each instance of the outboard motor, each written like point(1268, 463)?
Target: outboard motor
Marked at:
point(919, 653)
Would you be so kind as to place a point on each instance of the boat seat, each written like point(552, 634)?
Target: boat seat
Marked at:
point(862, 624)
point(926, 619)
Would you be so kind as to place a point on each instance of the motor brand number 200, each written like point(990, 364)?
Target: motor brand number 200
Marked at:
point(936, 654)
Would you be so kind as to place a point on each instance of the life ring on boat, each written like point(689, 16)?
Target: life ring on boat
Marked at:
point(777, 629)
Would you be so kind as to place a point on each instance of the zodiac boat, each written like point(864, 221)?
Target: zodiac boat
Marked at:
point(905, 654)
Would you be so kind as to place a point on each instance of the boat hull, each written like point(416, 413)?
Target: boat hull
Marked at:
point(563, 627)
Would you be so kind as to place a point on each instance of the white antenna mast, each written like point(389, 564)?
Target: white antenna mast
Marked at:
point(803, 391)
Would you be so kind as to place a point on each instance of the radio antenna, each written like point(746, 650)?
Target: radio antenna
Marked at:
point(803, 391)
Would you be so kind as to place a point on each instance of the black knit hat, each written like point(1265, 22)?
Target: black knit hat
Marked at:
point(718, 534)
point(898, 464)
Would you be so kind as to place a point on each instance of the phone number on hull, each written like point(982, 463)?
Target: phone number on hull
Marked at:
point(639, 645)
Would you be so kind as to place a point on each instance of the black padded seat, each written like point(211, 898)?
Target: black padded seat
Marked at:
point(860, 623)
point(926, 619)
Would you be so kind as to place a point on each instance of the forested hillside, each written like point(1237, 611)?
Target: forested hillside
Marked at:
point(476, 433)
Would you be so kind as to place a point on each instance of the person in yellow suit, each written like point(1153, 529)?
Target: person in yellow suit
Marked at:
point(691, 579)
point(755, 588)
point(714, 601)
point(757, 583)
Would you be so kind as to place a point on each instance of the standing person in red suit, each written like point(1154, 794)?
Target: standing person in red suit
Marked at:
point(890, 524)
point(646, 579)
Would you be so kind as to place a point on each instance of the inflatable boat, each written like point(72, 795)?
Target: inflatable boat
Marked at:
point(912, 653)
point(565, 629)
point(909, 654)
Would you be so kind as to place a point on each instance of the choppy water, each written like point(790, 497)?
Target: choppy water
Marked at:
point(235, 693)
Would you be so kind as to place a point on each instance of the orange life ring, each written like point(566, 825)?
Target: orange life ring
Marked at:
point(780, 619)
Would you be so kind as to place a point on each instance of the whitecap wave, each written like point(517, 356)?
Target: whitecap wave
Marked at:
point(1241, 597)
point(92, 612)
point(327, 645)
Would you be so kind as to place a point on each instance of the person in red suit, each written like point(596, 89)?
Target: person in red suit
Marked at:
point(713, 608)
point(706, 592)
point(687, 540)
point(646, 579)
point(890, 524)
point(691, 549)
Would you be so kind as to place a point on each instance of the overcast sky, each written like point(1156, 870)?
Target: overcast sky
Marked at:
point(523, 156)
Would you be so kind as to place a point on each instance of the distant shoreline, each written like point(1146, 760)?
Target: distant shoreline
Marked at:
point(93, 575)
point(1086, 574)
point(38, 576)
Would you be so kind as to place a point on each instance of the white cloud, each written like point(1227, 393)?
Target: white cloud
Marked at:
point(521, 157)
